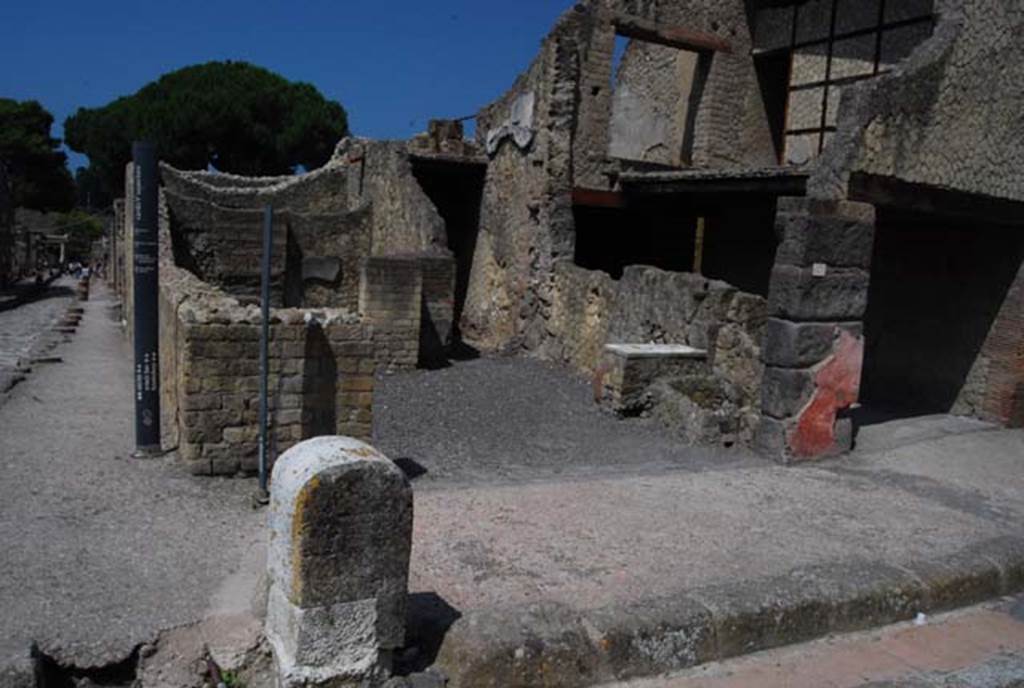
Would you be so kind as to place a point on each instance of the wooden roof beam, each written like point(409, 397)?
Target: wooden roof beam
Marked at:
point(672, 36)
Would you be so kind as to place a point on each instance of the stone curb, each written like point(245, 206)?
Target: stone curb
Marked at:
point(550, 644)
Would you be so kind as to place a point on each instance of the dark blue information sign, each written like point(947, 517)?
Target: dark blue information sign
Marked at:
point(146, 274)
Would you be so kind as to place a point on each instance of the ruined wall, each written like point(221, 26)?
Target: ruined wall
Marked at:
point(813, 346)
point(321, 364)
point(320, 191)
point(947, 117)
point(223, 245)
point(404, 219)
point(320, 380)
point(314, 257)
point(526, 211)
point(649, 305)
point(729, 125)
point(391, 299)
point(650, 119)
point(561, 107)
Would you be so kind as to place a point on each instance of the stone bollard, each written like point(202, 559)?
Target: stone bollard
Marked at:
point(340, 536)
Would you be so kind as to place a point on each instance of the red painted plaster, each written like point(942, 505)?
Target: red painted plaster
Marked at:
point(838, 386)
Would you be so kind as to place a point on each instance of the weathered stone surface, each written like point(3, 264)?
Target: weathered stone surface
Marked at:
point(18, 671)
point(341, 533)
point(544, 644)
point(786, 391)
point(652, 636)
point(770, 438)
point(319, 268)
point(834, 240)
point(797, 294)
point(796, 345)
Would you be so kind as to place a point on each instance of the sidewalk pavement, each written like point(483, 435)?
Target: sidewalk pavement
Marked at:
point(101, 551)
point(585, 580)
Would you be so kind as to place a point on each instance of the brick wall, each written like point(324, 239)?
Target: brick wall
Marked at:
point(391, 298)
point(320, 375)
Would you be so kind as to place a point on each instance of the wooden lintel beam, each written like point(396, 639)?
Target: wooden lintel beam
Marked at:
point(597, 198)
point(672, 36)
point(890, 191)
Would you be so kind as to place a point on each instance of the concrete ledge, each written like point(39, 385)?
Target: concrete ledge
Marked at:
point(655, 351)
point(549, 644)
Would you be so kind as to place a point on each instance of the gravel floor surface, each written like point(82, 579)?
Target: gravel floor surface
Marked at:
point(496, 420)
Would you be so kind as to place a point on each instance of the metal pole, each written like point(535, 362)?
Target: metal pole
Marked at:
point(146, 280)
point(268, 224)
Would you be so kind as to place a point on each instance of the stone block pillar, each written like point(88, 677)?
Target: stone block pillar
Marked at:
point(340, 537)
point(814, 346)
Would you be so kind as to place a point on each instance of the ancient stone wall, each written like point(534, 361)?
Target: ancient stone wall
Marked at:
point(550, 133)
point(314, 257)
point(437, 310)
point(320, 381)
point(649, 305)
point(729, 125)
point(391, 299)
point(404, 219)
point(650, 119)
point(319, 191)
point(947, 117)
point(321, 365)
point(526, 212)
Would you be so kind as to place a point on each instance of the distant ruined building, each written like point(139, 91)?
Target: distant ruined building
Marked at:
point(762, 222)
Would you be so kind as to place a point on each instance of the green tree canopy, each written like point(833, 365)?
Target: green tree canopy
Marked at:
point(39, 174)
point(82, 229)
point(92, 189)
point(238, 117)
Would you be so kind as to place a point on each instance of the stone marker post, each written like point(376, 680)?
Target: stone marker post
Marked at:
point(340, 537)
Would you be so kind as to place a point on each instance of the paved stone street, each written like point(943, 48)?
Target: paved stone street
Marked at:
point(26, 328)
point(100, 551)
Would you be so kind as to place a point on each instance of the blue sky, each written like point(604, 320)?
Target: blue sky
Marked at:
point(393, 64)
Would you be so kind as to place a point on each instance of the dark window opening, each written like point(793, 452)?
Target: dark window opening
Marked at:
point(738, 245)
point(834, 43)
point(610, 239)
